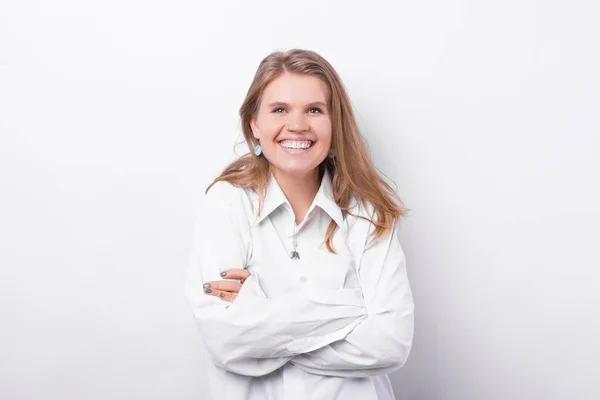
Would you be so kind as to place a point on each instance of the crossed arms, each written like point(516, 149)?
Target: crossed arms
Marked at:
point(335, 332)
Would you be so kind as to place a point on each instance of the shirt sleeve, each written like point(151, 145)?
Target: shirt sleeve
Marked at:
point(381, 343)
point(254, 336)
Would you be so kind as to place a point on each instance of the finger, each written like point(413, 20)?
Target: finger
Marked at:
point(235, 273)
point(224, 285)
point(226, 296)
point(221, 294)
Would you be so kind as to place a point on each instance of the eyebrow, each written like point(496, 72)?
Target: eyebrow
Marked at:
point(313, 104)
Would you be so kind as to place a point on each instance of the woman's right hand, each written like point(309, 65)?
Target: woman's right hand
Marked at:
point(228, 288)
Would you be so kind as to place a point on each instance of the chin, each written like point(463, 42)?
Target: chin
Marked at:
point(299, 170)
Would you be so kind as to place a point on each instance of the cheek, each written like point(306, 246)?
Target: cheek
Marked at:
point(324, 132)
point(270, 128)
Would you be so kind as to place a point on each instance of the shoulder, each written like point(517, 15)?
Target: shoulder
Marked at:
point(357, 211)
point(226, 197)
point(362, 223)
point(358, 222)
point(361, 211)
point(223, 193)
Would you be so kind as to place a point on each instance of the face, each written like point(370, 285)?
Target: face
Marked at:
point(293, 124)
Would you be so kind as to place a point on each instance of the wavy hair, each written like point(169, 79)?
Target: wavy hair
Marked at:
point(352, 170)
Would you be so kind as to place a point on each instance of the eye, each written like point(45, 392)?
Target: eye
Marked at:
point(278, 110)
point(315, 110)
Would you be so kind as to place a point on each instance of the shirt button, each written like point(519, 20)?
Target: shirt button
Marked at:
point(303, 279)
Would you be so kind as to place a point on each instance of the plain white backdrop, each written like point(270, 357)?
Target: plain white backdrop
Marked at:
point(115, 115)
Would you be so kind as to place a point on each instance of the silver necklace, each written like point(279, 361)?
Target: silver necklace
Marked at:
point(294, 255)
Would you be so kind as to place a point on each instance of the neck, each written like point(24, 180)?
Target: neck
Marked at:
point(300, 190)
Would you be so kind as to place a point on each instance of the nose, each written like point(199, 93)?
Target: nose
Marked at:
point(298, 123)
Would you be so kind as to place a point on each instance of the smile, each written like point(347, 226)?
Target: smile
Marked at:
point(296, 144)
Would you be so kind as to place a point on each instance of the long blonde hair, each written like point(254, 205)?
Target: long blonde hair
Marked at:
point(352, 171)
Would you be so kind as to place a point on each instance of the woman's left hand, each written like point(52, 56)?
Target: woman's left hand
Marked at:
point(228, 288)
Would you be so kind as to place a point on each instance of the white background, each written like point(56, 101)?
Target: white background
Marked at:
point(115, 115)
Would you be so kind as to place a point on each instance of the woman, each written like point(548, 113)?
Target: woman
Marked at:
point(297, 279)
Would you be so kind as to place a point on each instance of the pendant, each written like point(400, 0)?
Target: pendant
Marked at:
point(294, 255)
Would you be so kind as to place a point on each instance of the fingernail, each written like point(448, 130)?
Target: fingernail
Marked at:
point(207, 290)
point(206, 285)
point(222, 295)
point(223, 273)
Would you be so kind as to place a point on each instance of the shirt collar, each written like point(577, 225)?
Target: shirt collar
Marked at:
point(324, 199)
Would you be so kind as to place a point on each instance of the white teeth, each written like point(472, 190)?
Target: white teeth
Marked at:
point(296, 144)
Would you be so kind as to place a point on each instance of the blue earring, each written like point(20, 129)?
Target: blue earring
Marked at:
point(257, 150)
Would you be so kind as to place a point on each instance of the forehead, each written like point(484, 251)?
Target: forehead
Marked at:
point(296, 89)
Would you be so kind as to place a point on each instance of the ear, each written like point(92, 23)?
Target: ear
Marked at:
point(254, 128)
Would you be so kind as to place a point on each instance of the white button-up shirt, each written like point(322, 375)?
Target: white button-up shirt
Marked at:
point(324, 326)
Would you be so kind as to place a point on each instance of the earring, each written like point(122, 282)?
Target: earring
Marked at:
point(257, 150)
point(331, 153)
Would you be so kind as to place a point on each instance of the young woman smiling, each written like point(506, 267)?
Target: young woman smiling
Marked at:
point(297, 279)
